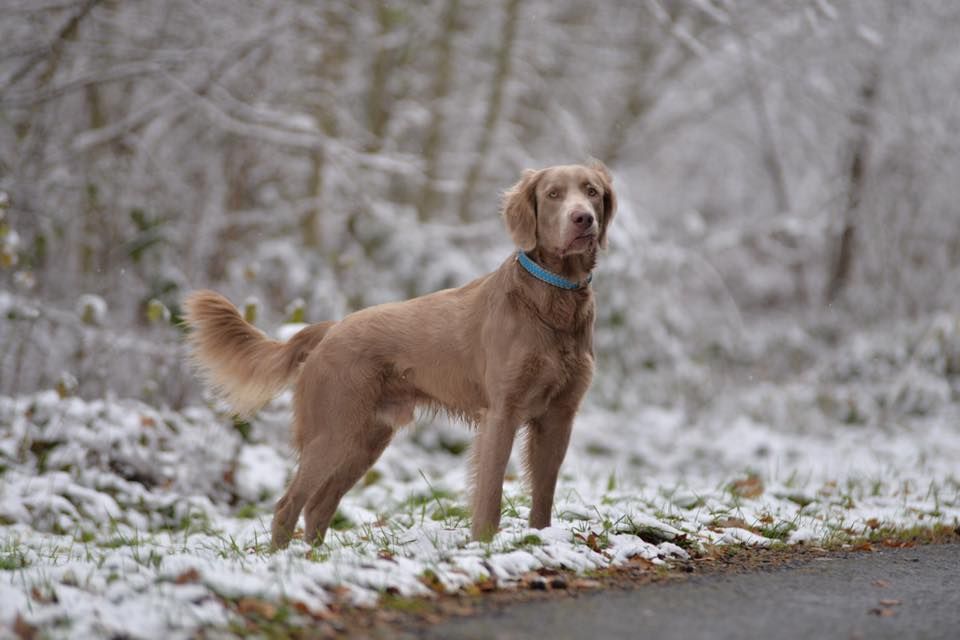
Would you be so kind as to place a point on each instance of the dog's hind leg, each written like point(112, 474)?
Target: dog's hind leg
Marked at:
point(287, 511)
point(341, 462)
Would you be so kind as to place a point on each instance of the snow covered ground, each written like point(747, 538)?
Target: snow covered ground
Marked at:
point(118, 518)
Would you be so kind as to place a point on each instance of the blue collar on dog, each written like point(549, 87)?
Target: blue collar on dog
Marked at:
point(549, 277)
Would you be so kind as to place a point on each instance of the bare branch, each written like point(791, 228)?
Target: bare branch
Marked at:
point(56, 44)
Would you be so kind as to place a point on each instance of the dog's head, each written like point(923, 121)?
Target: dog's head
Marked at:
point(564, 210)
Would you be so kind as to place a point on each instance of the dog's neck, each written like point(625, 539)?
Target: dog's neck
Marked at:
point(568, 311)
point(575, 268)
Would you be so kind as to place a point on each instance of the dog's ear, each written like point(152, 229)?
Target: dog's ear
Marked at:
point(609, 199)
point(520, 210)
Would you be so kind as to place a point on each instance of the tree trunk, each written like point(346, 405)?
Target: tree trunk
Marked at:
point(429, 198)
point(378, 109)
point(331, 68)
point(770, 155)
point(494, 106)
point(862, 120)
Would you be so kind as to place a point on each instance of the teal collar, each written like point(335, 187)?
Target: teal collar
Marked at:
point(549, 277)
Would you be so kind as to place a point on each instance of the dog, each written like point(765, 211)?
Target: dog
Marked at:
point(511, 349)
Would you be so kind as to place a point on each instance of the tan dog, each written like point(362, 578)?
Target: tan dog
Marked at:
point(511, 348)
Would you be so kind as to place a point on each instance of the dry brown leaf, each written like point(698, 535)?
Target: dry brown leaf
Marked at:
point(640, 560)
point(262, 608)
point(340, 593)
point(749, 487)
point(890, 602)
point(304, 609)
point(585, 583)
point(23, 629)
point(187, 577)
point(880, 583)
point(733, 523)
point(898, 544)
point(490, 584)
point(44, 597)
point(432, 581)
point(883, 612)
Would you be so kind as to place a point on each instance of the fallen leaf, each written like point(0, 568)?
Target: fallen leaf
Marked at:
point(898, 544)
point(732, 523)
point(187, 577)
point(880, 583)
point(889, 602)
point(431, 581)
point(262, 608)
point(341, 593)
point(639, 560)
point(749, 487)
point(884, 612)
point(23, 629)
point(487, 585)
point(304, 609)
point(585, 583)
point(43, 597)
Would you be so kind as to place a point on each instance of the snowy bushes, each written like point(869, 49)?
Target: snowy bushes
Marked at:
point(73, 463)
point(878, 377)
point(43, 344)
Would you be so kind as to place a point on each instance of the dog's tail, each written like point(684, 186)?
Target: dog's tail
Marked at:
point(241, 364)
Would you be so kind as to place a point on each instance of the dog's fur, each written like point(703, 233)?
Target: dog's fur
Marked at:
point(503, 351)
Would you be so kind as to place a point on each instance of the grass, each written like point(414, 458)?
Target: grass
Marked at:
point(13, 560)
point(435, 520)
point(529, 540)
point(248, 511)
point(777, 530)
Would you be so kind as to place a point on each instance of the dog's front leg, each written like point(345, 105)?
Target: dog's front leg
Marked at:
point(546, 445)
point(490, 456)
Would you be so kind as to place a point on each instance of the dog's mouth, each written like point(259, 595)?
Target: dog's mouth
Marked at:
point(580, 243)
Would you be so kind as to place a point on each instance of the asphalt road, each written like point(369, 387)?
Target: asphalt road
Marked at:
point(894, 593)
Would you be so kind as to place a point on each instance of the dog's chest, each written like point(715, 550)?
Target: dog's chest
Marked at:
point(562, 371)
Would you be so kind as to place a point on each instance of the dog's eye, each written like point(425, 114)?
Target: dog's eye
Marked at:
point(553, 193)
point(593, 193)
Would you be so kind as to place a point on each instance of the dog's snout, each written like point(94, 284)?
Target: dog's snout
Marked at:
point(582, 219)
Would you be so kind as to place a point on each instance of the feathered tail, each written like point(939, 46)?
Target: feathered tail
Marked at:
point(240, 363)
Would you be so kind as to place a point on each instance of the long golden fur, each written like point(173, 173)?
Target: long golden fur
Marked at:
point(504, 351)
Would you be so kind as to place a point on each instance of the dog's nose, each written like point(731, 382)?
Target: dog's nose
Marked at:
point(582, 219)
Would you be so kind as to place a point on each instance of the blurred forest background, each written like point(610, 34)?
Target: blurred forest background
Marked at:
point(787, 173)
